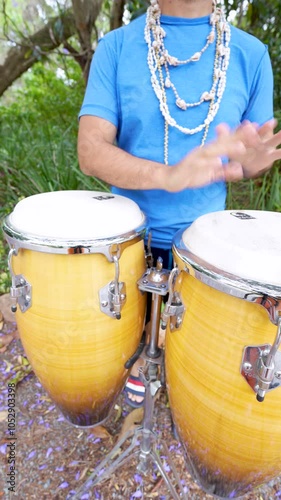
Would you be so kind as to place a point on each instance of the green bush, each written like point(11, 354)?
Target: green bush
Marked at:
point(39, 135)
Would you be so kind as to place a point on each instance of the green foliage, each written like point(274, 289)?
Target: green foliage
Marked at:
point(137, 7)
point(262, 19)
point(5, 280)
point(39, 135)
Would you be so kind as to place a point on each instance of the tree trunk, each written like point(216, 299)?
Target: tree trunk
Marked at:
point(117, 14)
point(85, 14)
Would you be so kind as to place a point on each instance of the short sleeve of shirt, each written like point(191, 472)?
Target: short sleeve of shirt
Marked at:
point(260, 98)
point(101, 97)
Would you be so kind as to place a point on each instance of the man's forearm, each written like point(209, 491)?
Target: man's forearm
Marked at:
point(118, 168)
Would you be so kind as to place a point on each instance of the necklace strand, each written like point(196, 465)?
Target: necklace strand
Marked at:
point(159, 60)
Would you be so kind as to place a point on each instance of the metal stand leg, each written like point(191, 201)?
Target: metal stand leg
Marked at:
point(145, 443)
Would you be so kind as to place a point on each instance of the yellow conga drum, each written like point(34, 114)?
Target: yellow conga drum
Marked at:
point(75, 260)
point(223, 364)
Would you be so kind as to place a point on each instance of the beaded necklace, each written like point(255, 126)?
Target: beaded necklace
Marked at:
point(159, 60)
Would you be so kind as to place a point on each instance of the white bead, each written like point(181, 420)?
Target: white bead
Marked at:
point(181, 104)
point(206, 96)
point(167, 83)
point(173, 61)
point(196, 56)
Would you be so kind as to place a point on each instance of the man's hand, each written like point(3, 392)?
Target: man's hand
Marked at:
point(262, 153)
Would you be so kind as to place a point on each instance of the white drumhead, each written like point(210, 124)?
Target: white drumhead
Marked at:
point(244, 243)
point(76, 215)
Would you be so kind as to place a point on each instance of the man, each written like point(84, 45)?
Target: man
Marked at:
point(177, 104)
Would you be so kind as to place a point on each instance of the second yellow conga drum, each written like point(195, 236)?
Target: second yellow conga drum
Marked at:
point(229, 280)
point(75, 260)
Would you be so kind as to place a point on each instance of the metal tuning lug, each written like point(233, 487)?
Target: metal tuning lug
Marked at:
point(174, 307)
point(20, 290)
point(113, 295)
point(261, 366)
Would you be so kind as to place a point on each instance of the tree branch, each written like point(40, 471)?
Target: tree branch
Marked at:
point(21, 57)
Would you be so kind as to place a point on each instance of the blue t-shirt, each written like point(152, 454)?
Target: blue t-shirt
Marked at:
point(119, 90)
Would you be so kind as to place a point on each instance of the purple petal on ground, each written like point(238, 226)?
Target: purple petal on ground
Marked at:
point(77, 475)
point(58, 448)
point(32, 454)
point(97, 440)
point(42, 466)
point(74, 462)
point(49, 451)
point(97, 494)
point(85, 496)
point(51, 408)
point(37, 384)
point(60, 419)
point(137, 494)
point(60, 468)
point(138, 478)
point(3, 448)
point(64, 485)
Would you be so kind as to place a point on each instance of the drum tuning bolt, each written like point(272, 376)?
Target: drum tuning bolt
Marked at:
point(20, 290)
point(261, 366)
point(174, 308)
point(113, 295)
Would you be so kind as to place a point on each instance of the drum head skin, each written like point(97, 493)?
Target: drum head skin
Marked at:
point(245, 243)
point(63, 219)
point(83, 214)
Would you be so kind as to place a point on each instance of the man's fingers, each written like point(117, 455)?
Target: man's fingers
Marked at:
point(274, 141)
point(233, 171)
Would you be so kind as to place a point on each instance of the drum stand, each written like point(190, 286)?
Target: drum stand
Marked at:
point(145, 444)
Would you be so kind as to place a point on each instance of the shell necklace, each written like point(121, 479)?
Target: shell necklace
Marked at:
point(159, 60)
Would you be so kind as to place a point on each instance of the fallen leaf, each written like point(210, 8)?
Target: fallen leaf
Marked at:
point(21, 374)
point(9, 366)
point(83, 474)
point(5, 307)
point(118, 415)
point(132, 421)
point(6, 339)
point(3, 415)
point(101, 432)
point(1, 321)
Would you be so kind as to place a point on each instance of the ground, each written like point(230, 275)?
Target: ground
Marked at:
point(54, 459)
